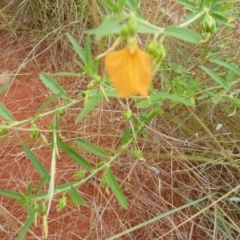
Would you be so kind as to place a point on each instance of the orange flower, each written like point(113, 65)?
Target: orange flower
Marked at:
point(129, 73)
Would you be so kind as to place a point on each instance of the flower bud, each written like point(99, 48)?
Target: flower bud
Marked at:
point(208, 23)
point(62, 203)
point(34, 131)
point(3, 131)
point(160, 53)
point(104, 181)
point(90, 85)
point(124, 31)
point(62, 112)
point(132, 27)
point(152, 47)
point(127, 115)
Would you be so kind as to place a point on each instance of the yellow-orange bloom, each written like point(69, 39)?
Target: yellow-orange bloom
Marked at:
point(129, 73)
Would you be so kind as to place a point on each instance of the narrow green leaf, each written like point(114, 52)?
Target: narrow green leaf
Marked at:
point(134, 6)
point(91, 148)
point(146, 27)
point(40, 184)
point(4, 88)
point(127, 135)
point(120, 5)
point(226, 65)
point(215, 77)
point(144, 104)
point(110, 25)
point(76, 196)
point(219, 18)
point(109, 4)
point(230, 76)
point(75, 156)
point(182, 34)
point(88, 51)
point(187, 4)
point(92, 102)
point(48, 101)
point(25, 228)
point(116, 189)
point(4, 112)
point(154, 98)
point(14, 195)
point(68, 74)
point(36, 163)
point(79, 50)
point(65, 186)
point(51, 83)
point(226, 6)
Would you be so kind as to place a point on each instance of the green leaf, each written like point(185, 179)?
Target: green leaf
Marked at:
point(75, 156)
point(219, 18)
point(4, 88)
point(76, 196)
point(92, 102)
point(48, 101)
point(14, 195)
point(4, 112)
point(116, 189)
point(146, 27)
point(215, 77)
point(91, 148)
point(230, 76)
point(144, 104)
point(154, 98)
point(36, 163)
point(40, 184)
point(226, 65)
point(79, 50)
point(110, 25)
point(68, 74)
point(110, 5)
point(134, 6)
point(226, 6)
point(127, 135)
point(120, 5)
point(187, 4)
point(25, 228)
point(65, 186)
point(182, 34)
point(51, 83)
point(88, 51)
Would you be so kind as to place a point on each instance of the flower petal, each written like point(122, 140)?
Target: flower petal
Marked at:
point(129, 73)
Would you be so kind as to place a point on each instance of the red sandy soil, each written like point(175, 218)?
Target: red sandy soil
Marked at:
point(102, 217)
